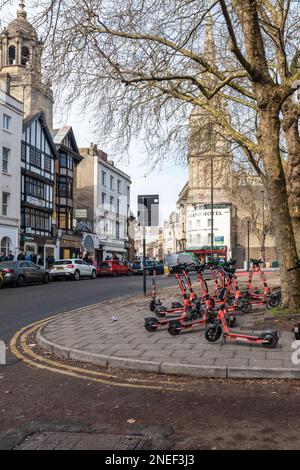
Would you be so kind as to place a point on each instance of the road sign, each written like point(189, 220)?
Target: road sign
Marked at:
point(148, 210)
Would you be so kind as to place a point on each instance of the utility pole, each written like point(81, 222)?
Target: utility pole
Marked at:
point(144, 260)
point(212, 204)
point(248, 244)
point(263, 250)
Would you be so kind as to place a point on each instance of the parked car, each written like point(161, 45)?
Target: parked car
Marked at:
point(113, 268)
point(177, 262)
point(138, 267)
point(23, 272)
point(72, 268)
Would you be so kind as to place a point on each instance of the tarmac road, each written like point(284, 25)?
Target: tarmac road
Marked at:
point(22, 306)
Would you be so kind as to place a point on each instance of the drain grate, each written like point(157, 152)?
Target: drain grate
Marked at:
point(81, 441)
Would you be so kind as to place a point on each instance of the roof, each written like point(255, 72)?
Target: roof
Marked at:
point(59, 135)
point(41, 117)
point(20, 24)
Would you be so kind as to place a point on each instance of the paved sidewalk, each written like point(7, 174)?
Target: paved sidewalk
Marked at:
point(93, 336)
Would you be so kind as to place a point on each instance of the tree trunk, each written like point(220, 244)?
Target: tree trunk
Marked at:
point(268, 139)
point(291, 131)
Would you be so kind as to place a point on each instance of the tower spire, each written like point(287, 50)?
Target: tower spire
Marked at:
point(209, 51)
point(21, 12)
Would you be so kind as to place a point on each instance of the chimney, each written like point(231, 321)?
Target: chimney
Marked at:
point(5, 82)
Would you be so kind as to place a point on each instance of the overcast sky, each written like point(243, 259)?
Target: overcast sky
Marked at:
point(166, 181)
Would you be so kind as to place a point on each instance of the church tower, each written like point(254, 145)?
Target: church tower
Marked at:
point(20, 56)
point(206, 140)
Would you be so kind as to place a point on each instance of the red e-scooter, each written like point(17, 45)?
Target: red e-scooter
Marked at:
point(178, 325)
point(267, 338)
point(176, 307)
point(188, 311)
point(268, 298)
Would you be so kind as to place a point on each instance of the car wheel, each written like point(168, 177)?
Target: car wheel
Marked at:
point(147, 272)
point(76, 276)
point(20, 281)
point(94, 274)
point(114, 274)
point(46, 279)
point(129, 273)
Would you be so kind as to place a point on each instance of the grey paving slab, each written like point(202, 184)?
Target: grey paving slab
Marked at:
point(90, 335)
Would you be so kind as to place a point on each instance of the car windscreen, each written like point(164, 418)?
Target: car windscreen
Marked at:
point(64, 261)
point(7, 265)
point(104, 264)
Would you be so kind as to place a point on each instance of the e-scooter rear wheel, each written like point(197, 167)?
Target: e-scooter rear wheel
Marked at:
point(151, 324)
point(174, 328)
point(272, 341)
point(246, 306)
point(213, 333)
point(160, 311)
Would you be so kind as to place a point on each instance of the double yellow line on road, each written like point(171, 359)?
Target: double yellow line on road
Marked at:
point(19, 347)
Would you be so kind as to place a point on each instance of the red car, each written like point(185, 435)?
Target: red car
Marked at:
point(113, 268)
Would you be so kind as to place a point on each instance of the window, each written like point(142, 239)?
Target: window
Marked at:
point(117, 230)
point(111, 182)
point(5, 246)
point(23, 152)
point(119, 186)
point(35, 157)
point(35, 188)
point(37, 221)
point(47, 164)
point(5, 159)
point(25, 55)
point(63, 160)
point(103, 178)
point(65, 187)
point(111, 203)
point(6, 122)
point(209, 222)
point(118, 206)
point(103, 197)
point(5, 197)
point(12, 55)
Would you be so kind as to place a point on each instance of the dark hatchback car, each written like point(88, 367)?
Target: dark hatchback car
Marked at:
point(137, 267)
point(19, 273)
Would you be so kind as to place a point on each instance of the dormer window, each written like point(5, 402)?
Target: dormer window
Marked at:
point(12, 55)
point(25, 55)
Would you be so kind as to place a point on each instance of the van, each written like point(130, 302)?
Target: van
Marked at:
point(176, 262)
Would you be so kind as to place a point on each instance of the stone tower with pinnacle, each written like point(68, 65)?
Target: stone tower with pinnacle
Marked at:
point(206, 138)
point(20, 57)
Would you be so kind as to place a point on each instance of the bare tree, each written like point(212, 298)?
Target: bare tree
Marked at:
point(141, 67)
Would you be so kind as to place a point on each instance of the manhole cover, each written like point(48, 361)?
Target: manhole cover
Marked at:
point(80, 441)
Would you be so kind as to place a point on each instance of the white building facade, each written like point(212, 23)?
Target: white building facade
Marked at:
point(112, 209)
point(103, 192)
point(199, 226)
point(11, 115)
point(171, 233)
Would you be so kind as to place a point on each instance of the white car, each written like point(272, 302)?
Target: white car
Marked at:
point(73, 268)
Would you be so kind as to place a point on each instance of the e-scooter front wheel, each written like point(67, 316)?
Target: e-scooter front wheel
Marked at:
point(213, 333)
